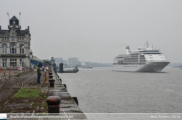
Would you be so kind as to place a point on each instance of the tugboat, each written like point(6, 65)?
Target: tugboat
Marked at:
point(75, 70)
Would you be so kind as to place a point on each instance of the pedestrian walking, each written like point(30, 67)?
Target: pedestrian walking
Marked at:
point(38, 74)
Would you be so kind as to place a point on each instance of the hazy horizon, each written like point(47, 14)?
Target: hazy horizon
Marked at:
point(98, 30)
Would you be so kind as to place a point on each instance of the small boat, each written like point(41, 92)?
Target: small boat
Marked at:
point(61, 70)
point(87, 66)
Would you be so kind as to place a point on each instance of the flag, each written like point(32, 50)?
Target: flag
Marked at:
point(7, 13)
point(20, 13)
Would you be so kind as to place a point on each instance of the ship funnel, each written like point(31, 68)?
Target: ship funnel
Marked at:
point(127, 51)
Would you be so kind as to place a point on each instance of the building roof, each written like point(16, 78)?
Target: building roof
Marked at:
point(21, 33)
point(37, 59)
point(5, 33)
point(14, 18)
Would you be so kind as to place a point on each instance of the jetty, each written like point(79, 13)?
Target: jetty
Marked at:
point(20, 93)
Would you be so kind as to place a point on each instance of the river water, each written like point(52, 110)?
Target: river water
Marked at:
point(100, 90)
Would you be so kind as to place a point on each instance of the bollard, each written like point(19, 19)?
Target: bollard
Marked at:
point(50, 76)
point(65, 86)
point(50, 73)
point(53, 104)
point(75, 99)
point(51, 81)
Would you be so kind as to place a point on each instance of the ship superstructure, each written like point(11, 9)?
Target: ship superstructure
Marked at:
point(142, 60)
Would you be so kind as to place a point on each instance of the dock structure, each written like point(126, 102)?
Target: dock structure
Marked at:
point(20, 93)
point(69, 105)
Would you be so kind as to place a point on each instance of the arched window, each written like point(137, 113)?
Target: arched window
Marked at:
point(12, 49)
point(21, 49)
point(13, 39)
point(4, 47)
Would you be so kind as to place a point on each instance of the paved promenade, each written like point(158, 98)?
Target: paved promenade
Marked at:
point(21, 94)
point(68, 106)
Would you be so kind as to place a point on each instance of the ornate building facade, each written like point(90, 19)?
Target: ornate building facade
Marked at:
point(15, 45)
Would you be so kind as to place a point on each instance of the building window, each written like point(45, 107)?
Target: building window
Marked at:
point(4, 47)
point(21, 49)
point(12, 49)
point(4, 62)
point(21, 62)
point(13, 39)
point(13, 62)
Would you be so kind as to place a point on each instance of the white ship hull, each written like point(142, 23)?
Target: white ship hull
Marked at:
point(148, 67)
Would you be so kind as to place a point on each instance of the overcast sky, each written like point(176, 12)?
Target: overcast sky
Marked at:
point(98, 30)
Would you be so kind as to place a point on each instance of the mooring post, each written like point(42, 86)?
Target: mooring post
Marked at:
point(53, 104)
point(65, 86)
point(75, 99)
point(50, 73)
point(50, 76)
point(51, 81)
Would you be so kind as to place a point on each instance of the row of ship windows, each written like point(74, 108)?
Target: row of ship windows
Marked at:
point(134, 56)
point(150, 51)
point(152, 57)
point(130, 63)
point(132, 60)
point(135, 59)
point(137, 55)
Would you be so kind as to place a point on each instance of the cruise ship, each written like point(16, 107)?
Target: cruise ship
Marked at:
point(141, 60)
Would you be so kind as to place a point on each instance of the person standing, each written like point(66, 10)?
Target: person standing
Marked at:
point(38, 74)
point(43, 68)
